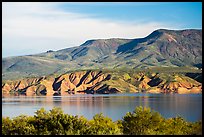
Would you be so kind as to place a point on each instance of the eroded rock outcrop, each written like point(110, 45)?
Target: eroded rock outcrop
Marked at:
point(178, 84)
point(86, 82)
point(71, 83)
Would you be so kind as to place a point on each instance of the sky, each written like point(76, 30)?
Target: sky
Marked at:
point(36, 27)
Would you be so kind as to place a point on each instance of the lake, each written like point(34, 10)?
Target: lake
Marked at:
point(114, 106)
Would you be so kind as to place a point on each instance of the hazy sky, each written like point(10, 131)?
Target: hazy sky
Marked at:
point(29, 28)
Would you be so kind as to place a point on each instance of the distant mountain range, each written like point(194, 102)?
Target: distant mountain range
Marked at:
point(159, 49)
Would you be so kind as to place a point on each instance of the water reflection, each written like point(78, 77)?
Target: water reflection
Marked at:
point(114, 106)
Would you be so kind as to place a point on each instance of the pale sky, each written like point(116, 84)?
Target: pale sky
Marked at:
point(30, 28)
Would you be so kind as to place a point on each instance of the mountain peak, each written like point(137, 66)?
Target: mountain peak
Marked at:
point(102, 42)
point(88, 42)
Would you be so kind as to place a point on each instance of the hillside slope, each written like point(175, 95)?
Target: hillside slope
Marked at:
point(103, 82)
point(161, 48)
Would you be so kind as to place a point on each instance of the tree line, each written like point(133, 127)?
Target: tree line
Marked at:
point(142, 121)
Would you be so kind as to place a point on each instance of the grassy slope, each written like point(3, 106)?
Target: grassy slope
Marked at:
point(160, 48)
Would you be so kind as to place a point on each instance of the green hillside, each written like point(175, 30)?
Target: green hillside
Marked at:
point(162, 48)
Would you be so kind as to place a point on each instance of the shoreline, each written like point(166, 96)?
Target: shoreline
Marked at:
point(110, 94)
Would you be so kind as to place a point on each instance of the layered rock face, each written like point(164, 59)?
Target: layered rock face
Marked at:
point(91, 82)
point(175, 84)
point(72, 83)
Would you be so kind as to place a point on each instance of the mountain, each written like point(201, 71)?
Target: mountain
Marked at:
point(162, 48)
point(166, 47)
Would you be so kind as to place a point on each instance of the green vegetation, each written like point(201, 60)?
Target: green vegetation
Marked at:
point(154, 51)
point(120, 71)
point(142, 121)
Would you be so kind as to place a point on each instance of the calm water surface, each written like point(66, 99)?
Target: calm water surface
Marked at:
point(114, 106)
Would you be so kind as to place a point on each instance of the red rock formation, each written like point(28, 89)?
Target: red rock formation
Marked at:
point(92, 82)
point(30, 91)
point(182, 90)
point(6, 88)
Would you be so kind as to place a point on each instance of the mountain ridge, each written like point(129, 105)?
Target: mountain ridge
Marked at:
point(162, 48)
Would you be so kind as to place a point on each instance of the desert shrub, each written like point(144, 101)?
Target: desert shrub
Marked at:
point(195, 128)
point(141, 122)
point(6, 126)
point(176, 126)
point(56, 122)
point(101, 125)
point(20, 125)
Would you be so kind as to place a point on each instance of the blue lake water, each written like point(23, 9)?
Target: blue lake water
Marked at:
point(114, 106)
